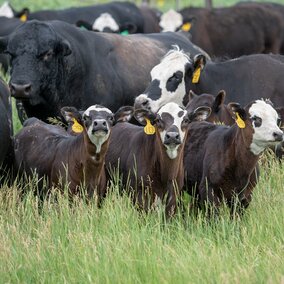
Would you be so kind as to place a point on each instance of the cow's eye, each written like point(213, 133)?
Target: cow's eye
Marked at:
point(110, 118)
point(257, 121)
point(86, 117)
point(47, 55)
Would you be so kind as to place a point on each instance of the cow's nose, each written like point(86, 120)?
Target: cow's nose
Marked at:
point(172, 138)
point(278, 136)
point(141, 102)
point(20, 91)
point(100, 125)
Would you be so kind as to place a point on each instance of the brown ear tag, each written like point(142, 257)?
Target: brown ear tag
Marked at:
point(186, 27)
point(23, 18)
point(149, 129)
point(239, 121)
point(77, 127)
point(196, 75)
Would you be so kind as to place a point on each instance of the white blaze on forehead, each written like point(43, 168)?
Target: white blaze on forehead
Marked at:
point(178, 114)
point(96, 108)
point(171, 21)
point(6, 10)
point(105, 20)
point(263, 135)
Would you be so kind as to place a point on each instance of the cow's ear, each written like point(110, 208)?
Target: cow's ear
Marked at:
point(84, 25)
point(71, 113)
point(219, 100)
point(141, 115)
point(235, 108)
point(23, 14)
point(188, 97)
point(64, 47)
point(199, 114)
point(128, 28)
point(199, 61)
point(187, 23)
point(3, 44)
point(124, 114)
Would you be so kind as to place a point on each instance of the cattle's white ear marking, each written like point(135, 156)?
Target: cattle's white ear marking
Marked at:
point(6, 10)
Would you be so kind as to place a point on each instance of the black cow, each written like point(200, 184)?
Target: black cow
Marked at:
point(231, 31)
point(109, 17)
point(56, 64)
point(245, 79)
point(6, 131)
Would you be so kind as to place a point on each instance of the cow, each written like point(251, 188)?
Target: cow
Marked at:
point(109, 17)
point(240, 30)
point(7, 11)
point(6, 133)
point(245, 79)
point(56, 64)
point(220, 160)
point(152, 162)
point(75, 160)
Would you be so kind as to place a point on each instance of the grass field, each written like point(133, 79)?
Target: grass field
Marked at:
point(59, 243)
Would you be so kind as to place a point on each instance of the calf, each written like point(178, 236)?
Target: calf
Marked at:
point(153, 163)
point(245, 79)
point(220, 160)
point(79, 160)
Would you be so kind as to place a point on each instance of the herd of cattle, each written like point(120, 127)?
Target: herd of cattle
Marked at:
point(200, 82)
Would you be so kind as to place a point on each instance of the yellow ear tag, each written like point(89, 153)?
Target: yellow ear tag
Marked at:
point(186, 27)
point(23, 18)
point(149, 129)
point(77, 127)
point(196, 75)
point(239, 121)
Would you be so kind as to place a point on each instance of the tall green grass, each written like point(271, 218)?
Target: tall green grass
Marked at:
point(79, 243)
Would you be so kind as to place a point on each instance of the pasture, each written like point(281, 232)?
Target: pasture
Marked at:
point(56, 242)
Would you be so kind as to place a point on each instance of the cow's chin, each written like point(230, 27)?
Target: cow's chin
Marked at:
point(35, 100)
point(172, 151)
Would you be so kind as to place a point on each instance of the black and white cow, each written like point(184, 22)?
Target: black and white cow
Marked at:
point(6, 10)
point(56, 64)
point(244, 79)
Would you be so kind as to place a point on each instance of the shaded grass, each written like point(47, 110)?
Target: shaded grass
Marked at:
point(81, 243)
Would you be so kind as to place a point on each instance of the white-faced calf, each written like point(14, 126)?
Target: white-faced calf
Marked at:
point(219, 160)
point(153, 163)
point(78, 160)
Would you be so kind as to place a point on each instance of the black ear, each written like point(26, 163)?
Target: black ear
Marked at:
point(84, 25)
point(219, 100)
point(69, 113)
point(124, 114)
point(128, 27)
point(64, 47)
point(3, 43)
point(199, 61)
point(188, 97)
point(199, 114)
point(141, 115)
point(187, 23)
point(23, 14)
point(236, 108)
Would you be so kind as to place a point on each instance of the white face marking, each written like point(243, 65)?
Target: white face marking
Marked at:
point(174, 60)
point(171, 21)
point(105, 20)
point(263, 135)
point(173, 109)
point(6, 11)
point(99, 137)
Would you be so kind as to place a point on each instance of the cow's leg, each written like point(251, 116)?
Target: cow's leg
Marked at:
point(171, 200)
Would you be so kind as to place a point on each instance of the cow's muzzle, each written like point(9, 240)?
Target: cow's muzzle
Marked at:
point(172, 138)
point(20, 91)
point(100, 127)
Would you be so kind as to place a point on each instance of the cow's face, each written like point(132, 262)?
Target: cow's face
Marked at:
point(171, 122)
point(171, 21)
point(168, 82)
point(265, 122)
point(97, 121)
point(37, 54)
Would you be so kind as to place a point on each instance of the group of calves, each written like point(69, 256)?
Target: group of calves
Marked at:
point(174, 150)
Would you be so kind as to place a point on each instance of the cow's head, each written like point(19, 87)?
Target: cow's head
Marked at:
point(219, 111)
point(171, 123)
point(260, 124)
point(106, 23)
point(6, 10)
point(171, 80)
point(97, 121)
point(172, 21)
point(37, 54)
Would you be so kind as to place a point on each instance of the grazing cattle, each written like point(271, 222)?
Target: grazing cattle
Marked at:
point(153, 164)
point(77, 160)
point(220, 160)
point(6, 132)
point(110, 17)
point(240, 30)
point(56, 64)
point(245, 79)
